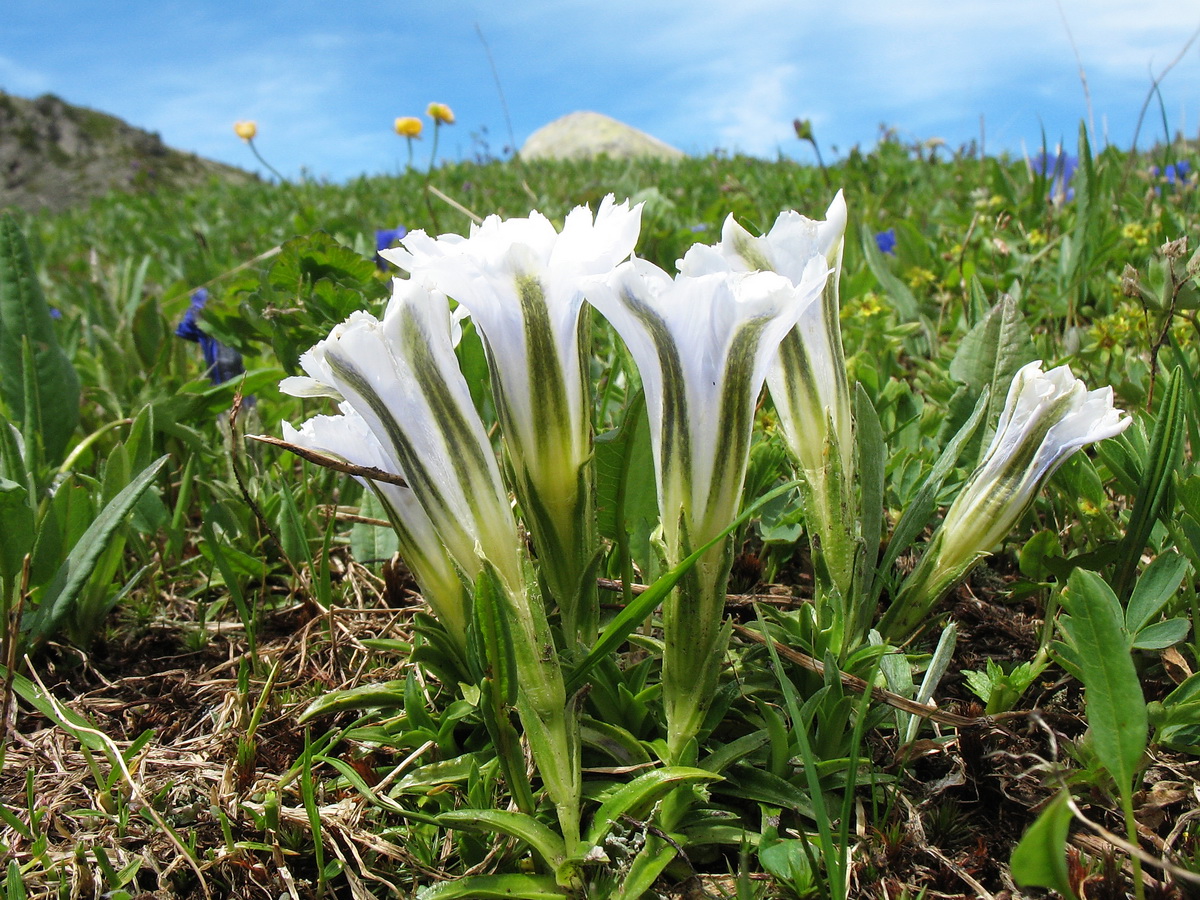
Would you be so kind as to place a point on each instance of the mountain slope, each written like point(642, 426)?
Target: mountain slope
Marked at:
point(54, 155)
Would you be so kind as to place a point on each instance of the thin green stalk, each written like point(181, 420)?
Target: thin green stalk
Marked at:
point(829, 851)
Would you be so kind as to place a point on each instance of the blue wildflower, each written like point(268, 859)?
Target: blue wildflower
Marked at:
point(385, 239)
point(1175, 174)
point(223, 362)
point(886, 241)
point(1059, 169)
point(55, 312)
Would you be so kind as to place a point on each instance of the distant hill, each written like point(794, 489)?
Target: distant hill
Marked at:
point(54, 155)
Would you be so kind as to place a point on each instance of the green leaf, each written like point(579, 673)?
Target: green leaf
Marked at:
point(1155, 589)
point(645, 603)
point(16, 523)
point(1040, 860)
point(387, 695)
point(25, 321)
point(1116, 708)
point(545, 842)
point(1162, 635)
point(872, 465)
point(495, 887)
point(372, 543)
point(72, 576)
point(639, 794)
point(990, 355)
point(1162, 459)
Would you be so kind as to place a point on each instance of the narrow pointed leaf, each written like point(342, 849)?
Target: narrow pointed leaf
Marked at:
point(545, 842)
point(645, 603)
point(639, 794)
point(72, 576)
point(495, 887)
point(25, 316)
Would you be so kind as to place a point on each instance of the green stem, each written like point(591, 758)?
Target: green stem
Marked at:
point(259, 157)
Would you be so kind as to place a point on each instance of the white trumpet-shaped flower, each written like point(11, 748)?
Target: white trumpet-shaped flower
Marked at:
point(702, 345)
point(522, 282)
point(1047, 417)
point(348, 438)
point(402, 377)
point(807, 378)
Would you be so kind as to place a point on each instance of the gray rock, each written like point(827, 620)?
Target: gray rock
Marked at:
point(54, 155)
point(585, 135)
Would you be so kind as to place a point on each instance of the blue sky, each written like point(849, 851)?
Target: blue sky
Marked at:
point(325, 79)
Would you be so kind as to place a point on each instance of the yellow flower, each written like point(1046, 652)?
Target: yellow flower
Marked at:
point(409, 127)
point(1136, 233)
point(245, 130)
point(440, 112)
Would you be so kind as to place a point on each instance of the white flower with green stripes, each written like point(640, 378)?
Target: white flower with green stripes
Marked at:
point(1047, 417)
point(702, 346)
point(522, 282)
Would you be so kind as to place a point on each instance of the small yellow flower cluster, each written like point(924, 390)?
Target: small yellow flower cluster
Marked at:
point(245, 130)
point(919, 278)
point(1136, 233)
point(1036, 238)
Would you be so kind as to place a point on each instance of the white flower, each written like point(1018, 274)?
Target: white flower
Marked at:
point(808, 378)
point(702, 345)
point(348, 438)
point(1047, 417)
point(402, 377)
point(522, 282)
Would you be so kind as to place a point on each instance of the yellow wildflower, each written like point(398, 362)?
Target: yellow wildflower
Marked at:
point(440, 112)
point(409, 126)
point(245, 130)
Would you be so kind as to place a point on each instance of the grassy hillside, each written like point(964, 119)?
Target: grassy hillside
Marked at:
point(239, 691)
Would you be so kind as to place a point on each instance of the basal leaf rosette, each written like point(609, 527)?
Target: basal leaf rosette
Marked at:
point(1047, 417)
point(702, 345)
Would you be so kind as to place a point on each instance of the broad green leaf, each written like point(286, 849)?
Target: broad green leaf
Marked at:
point(72, 576)
point(1116, 708)
point(990, 355)
point(1154, 589)
point(25, 321)
point(1162, 635)
point(495, 887)
point(545, 842)
point(372, 543)
point(1040, 860)
point(640, 794)
point(16, 524)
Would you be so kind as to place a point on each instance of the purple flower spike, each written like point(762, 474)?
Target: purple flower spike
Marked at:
point(886, 241)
